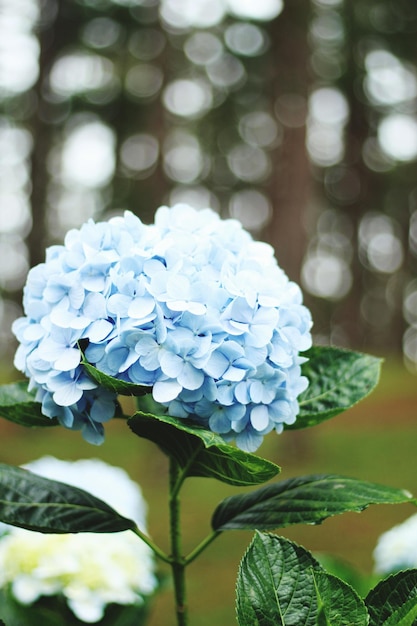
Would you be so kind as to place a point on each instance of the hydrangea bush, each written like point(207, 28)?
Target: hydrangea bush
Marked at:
point(197, 320)
point(88, 571)
point(190, 306)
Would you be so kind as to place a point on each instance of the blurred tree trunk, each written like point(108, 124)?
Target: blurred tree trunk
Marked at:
point(291, 179)
point(60, 21)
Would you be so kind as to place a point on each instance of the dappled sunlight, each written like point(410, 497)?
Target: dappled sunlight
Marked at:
point(146, 102)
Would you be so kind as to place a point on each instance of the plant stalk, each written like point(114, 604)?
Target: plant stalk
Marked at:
point(177, 560)
point(158, 552)
point(202, 546)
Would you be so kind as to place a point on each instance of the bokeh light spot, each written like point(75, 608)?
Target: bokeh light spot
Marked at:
point(226, 71)
point(397, 136)
point(187, 98)
point(139, 153)
point(144, 81)
point(246, 39)
point(146, 44)
point(202, 48)
point(385, 253)
point(197, 196)
point(79, 72)
point(326, 275)
point(388, 81)
point(183, 159)
point(252, 208)
point(259, 128)
point(262, 10)
point(328, 106)
point(184, 14)
point(249, 163)
point(101, 32)
point(88, 155)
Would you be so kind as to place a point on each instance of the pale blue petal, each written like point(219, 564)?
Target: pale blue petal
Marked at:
point(99, 330)
point(50, 350)
point(216, 365)
point(69, 359)
point(76, 296)
point(118, 304)
point(171, 364)
point(166, 390)
point(256, 391)
point(95, 306)
point(190, 377)
point(33, 332)
point(225, 394)
point(219, 421)
point(103, 408)
point(93, 433)
point(259, 417)
point(249, 440)
point(63, 413)
point(236, 412)
point(141, 376)
point(235, 374)
point(242, 393)
point(67, 393)
point(94, 352)
point(177, 409)
point(142, 308)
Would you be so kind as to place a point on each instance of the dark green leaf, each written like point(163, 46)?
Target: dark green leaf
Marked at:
point(275, 585)
point(37, 503)
point(339, 604)
point(393, 602)
point(201, 452)
point(18, 405)
point(301, 500)
point(121, 387)
point(338, 379)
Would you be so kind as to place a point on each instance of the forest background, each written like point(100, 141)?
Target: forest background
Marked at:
point(298, 118)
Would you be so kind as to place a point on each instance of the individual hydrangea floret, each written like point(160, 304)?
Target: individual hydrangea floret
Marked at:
point(88, 570)
point(190, 306)
point(396, 549)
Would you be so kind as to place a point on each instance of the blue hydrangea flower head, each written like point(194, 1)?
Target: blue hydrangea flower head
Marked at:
point(190, 306)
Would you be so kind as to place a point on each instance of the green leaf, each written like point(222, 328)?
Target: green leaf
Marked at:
point(114, 384)
point(37, 503)
point(301, 500)
point(275, 585)
point(393, 602)
point(200, 452)
point(339, 604)
point(338, 379)
point(18, 405)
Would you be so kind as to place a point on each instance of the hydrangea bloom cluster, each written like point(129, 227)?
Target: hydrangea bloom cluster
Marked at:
point(190, 306)
point(396, 549)
point(89, 570)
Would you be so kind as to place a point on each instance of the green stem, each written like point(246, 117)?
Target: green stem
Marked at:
point(160, 553)
point(177, 561)
point(202, 546)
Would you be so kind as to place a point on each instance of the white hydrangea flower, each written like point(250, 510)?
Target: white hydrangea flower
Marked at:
point(89, 570)
point(396, 549)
